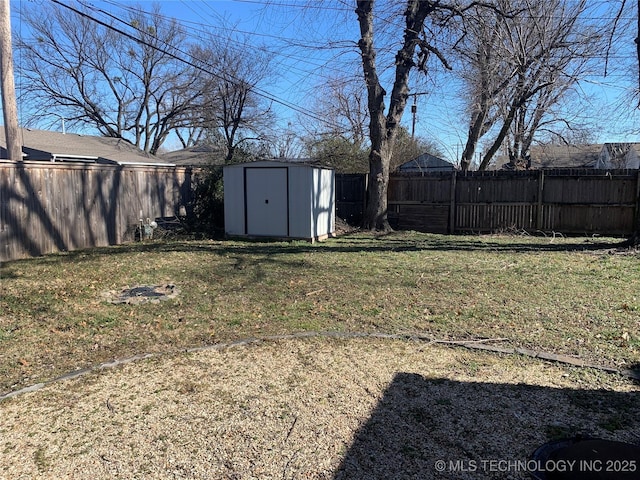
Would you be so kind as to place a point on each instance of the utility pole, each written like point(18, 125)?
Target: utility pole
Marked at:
point(414, 110)
point(9, 104)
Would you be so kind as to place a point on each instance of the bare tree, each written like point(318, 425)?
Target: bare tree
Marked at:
point(94, 76)
point(519, 66)
point(424, 24)
point(344, 101)
point(342, 143)
point(233, 104)
point(383, 126)
point(533, 118)
point(284, 143)
point(484, 73)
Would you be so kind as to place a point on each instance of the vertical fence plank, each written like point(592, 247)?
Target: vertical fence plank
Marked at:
point(568, 201)
point(51, 207)
point(452, 203)
point(539, 206)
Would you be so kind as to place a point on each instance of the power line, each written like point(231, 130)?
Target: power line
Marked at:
point(206, 29)
point(291, 42)
point(257, 91)
point(242, 47)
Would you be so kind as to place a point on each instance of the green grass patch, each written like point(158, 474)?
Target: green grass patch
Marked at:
point(568, 296)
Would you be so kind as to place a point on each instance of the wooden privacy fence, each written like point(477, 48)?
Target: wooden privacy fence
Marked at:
point(351, 195)
point(52, 207)
point(581, 202)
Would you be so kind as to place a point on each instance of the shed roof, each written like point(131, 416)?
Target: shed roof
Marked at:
point(55, 146)
point(282, 162)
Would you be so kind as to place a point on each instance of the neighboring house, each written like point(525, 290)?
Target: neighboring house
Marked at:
point(196, 156)
point(619, 155)
point(565, 156)
point(44, 145)
point(426, 163)
point(557, 156)
point(592, 155)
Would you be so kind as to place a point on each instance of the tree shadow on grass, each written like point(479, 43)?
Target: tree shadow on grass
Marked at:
point(393, 242)
point(425, 428)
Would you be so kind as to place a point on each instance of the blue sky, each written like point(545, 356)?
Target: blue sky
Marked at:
point(301, 69)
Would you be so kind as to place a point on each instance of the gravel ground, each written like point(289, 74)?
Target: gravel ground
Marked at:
point(320, 408)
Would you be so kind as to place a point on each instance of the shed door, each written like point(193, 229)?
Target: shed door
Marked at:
point(267, 201)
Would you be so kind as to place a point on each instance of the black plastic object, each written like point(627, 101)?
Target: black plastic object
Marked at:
point(586, 458)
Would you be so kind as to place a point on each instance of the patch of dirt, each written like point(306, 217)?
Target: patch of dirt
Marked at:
point(141, 294)
point(311, 408)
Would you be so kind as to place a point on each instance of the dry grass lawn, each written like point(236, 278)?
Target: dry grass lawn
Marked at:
point(311, 408)
point(323, 408)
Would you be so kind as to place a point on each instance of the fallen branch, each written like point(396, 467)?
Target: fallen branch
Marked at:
point(295, 420)
point(314, 292)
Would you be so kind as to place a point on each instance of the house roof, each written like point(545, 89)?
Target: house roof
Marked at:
point(558, 156)
point(55, 146)
point(565, 156)
point(618, 152)
point(198, 155)
point(426, 163)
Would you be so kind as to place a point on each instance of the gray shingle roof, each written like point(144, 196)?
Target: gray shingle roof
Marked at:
point(198, 155)
point(46, 145)
point(558, 156)
point(565, 156)
point(426, 163)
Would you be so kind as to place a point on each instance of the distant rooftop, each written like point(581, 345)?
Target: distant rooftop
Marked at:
point(565, 156)
point(558, 156)
point(196, 156)
point(426, 163)
point(45, 145)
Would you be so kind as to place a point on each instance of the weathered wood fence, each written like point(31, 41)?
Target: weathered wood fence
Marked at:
point(351, 195)
point(52, 207)
point(566, 201)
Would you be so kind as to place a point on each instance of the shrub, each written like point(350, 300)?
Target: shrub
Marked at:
point(206, 212)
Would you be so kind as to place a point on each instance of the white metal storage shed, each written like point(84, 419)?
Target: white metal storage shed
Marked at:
point(280, 200)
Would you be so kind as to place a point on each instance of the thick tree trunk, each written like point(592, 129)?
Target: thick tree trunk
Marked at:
point(500, 137)
point(383, 128)
point(375, 216)
point(377, 203)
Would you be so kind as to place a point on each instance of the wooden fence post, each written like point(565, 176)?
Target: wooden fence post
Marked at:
point(452, 203)
point(636, 225)
point(539, 216)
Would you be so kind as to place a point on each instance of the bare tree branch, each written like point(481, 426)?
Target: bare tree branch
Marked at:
point(88, 73)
